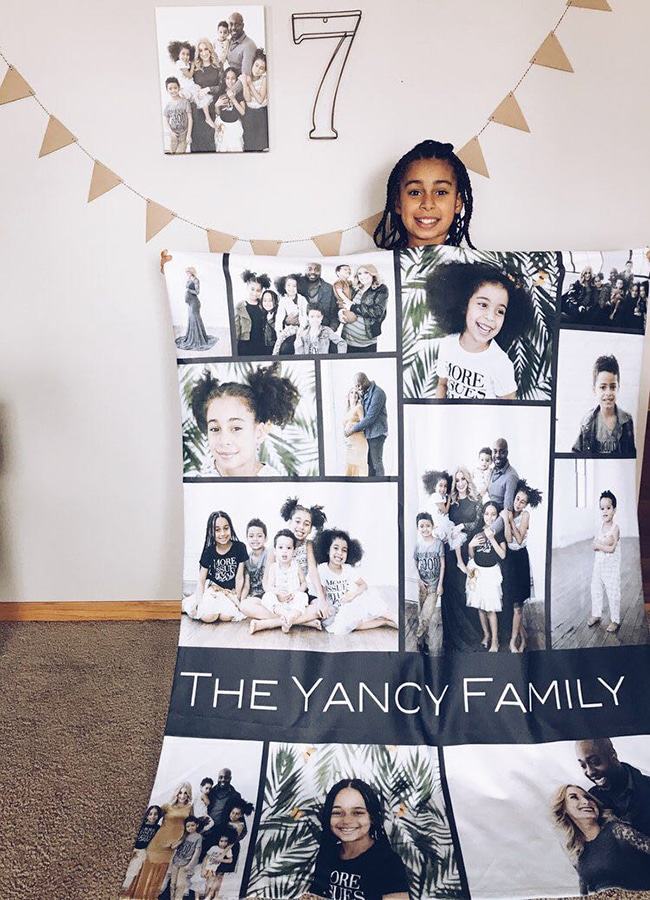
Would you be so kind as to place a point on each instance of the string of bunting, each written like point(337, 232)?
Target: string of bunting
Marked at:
point(549, 54)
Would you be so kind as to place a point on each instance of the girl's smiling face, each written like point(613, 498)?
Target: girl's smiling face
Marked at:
point(301, 524)
point(338, 551)
point(233, 436)
point(427, 202)
point(441, 487)
point(152, 816)
point(486, 313)
point(291, 287)
point(231, 80)
point(254, 292)
point(490, 515)
point(350, 820)
point(222, 532)
point(268, 302)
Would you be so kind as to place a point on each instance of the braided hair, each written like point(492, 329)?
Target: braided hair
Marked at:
point(390, 233)
point(270, 397)
point(210, 542)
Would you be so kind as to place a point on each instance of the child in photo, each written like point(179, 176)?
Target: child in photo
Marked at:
point(428, 200)
point(285, 585)
point(484, 576)
point(351, 607)
point(178, 114)
point(235, 417)
point(256, 120)
point(342, 287)
point(256, 535)
point(250, 317)
point(483, 312)
point(482, 471)
point(518, 571)
point(221, 574)
point(221, 858)
point(229, 110)
point(201, 805)
point(438, 486)
point(237, 822)
point(316, 338)
point(269, 303)
point(291, 314)
point(222, 43)
point(606, 578)
point(607, 428)
point(182, 55)
point(146, 832)
point(185, 859)
point(429, 558)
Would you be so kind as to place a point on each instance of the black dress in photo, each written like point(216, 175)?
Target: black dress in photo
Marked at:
point(255, 345)
point(202, 132)
point(196, 337)
point(461, 629)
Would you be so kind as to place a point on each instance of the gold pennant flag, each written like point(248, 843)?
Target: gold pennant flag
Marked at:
point(591, 4)
point(266, 248)
point(329, 244)
point(371, 223)
point(218, 242)
point(102, 180)
point(157, 218)
point(508, 112)
point(552, 55)
point(56, 137)
point(472, 155)
point(14, 87)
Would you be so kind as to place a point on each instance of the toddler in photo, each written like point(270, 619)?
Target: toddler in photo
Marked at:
point(201, 805)
point(606, 578)
point(342, 287)
point(256, 563)
point(185, 858)
point(178, 113)
point(351, 606)
point(147, 831)
point(182, 55)
point(429, 558)
point(607, 428)
point(482, 471)
point(221, 858)
point(483, 312)
point(285, 585)
point(438, 486)
point(222, 43)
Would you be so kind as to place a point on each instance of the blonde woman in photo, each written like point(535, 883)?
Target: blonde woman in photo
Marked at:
point(356, 454)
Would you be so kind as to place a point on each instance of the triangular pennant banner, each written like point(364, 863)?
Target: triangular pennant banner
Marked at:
point(266, 248)
point(552, 55)
point(102, 180)
point(329, 244)
point(218, 242)
point(472, 155)
point(56, 137)
point(591, 4)
point(157, 218)
point(14, 87)
point(371, 223)
point(508, 112)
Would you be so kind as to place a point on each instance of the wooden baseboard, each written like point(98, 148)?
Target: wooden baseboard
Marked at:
point(101, 611)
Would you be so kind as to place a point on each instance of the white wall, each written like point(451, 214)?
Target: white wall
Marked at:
point(91, 500)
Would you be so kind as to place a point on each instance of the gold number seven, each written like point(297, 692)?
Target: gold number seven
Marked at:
point(321, 26)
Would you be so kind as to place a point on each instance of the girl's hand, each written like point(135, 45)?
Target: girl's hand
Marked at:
point(350, 594)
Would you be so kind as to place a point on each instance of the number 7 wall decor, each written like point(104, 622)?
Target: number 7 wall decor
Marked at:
point(413, 636)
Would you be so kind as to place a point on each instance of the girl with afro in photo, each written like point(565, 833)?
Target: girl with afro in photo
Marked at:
point(236, 418)
point(250, 316)
point(483, 311)
point(351, 606)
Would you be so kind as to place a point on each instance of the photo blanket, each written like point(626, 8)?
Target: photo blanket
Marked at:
point(413, 648)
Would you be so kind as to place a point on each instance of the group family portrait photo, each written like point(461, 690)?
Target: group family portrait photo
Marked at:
point(213, 79)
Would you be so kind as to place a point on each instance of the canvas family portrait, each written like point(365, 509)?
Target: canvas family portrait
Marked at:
point(213, 79)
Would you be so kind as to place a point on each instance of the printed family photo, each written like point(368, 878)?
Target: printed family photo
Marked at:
point(477, 325)
point(581, 812)
point(213, 79)
point(596, 593)
point(359, 403)
point(598, 393)
point(292, 567)
point(354, 821)
point(606, 290)
point(242, 420)
point(194, 835)
point(196, 289)
point(476, 506)
point(314, 308)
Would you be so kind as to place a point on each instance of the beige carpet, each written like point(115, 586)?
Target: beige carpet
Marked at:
point(81, 722)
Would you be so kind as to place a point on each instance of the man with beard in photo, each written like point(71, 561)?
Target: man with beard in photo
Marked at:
point(241, 51)
point(617, 785)
point(503, 484)
point(223, 797)
point(319, 293)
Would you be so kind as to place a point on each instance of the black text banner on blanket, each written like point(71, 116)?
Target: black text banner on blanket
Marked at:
point(413, 625)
